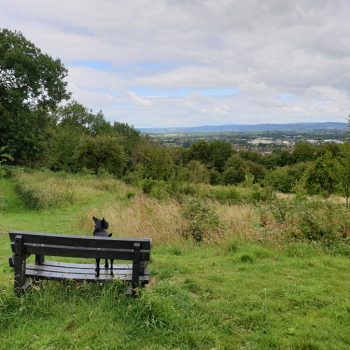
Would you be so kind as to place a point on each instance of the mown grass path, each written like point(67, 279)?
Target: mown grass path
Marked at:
point(228, 296)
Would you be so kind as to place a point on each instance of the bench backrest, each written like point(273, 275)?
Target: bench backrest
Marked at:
point(81, 246)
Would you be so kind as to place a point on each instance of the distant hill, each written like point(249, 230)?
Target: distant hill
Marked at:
point(247, 128)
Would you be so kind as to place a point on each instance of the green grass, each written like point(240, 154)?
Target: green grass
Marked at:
point(233, 295)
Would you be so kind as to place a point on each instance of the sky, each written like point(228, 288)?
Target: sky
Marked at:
point(170, 63)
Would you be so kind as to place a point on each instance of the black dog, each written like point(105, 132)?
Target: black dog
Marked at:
point(101, 227)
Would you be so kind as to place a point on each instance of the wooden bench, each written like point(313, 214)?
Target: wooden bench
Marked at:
point(24, 244)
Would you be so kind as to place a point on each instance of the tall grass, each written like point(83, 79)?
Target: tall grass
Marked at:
point(141, 217)
point(44, 190)
point(202, 213)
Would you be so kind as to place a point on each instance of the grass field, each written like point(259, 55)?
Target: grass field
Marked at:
point(233, 293)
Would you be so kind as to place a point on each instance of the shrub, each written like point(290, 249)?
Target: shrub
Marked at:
point(285, 179)
point(4, 158)
point(235, 170)
point(202, 221)
point(323, 175)
point(196, 172)
point(312, 221)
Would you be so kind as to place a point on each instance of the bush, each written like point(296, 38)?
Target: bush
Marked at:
point(202, 221)
point(312, 221)
point(323, 175)
point(195, 172)
point(222, 194)
point(286, 178)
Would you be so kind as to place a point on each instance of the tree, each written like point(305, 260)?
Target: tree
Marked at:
point(235, 170)
point(152, 161)
point(31, 86)
point(101, 153)
point(219, 153)
point(28, 77)
point(323, 175)
point(303, 152)
point(199, 151)
point(284, 179)
point(345, 171)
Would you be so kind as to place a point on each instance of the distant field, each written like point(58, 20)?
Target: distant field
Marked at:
point(258, 279)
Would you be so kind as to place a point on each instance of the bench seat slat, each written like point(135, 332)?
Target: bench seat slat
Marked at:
point(34, 272)
point(121, 269)
point(80, 265)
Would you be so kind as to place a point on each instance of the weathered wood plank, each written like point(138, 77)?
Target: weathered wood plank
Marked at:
point(80, 252)
point(83, 265)
point(82, 241)
point(77, 270)
point(19, 265)
point(104, 276)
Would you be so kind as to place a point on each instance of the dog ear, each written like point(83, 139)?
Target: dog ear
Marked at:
point(94, 218)
point(110, 235)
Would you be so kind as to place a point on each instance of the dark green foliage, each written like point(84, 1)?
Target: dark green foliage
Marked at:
point(255, 169)
point(5, 158)
point(322, 175)
point(79, 119)
point(195, 172)
point(252, 156)
point(246, 258)
point(213, 154)
point(333, 148)
point(284, 179)
point(200, 151)
point(29, 78)
point(214, 177)
point(31, 85)
point(152, 161)
point(101, 153)
point(284, 157)
point(303, 152)
point(235, 170)
point(219, 153)
point(344, 171)
point(26, 135)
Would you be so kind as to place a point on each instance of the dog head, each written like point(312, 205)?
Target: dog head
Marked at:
point(101, 227)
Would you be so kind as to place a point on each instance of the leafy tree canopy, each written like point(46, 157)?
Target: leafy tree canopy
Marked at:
point(31, 85)
point(28, 78)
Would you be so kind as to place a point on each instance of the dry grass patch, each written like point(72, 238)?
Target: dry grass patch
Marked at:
point(239, 221)
point(142, 217)
point(40, 190)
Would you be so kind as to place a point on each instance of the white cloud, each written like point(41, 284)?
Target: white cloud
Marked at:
point(138, 100)
point(263, 48)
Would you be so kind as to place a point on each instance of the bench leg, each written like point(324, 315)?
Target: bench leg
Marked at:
point(135, 269)
point(97, 269)
point(19, 266)
point(39, 259)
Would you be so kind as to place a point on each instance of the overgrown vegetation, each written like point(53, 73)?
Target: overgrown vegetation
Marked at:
point(240, 275)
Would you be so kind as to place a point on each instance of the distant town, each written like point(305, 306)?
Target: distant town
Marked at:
point(261, 141)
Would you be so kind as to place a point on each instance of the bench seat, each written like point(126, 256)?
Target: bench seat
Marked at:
point(56, 270)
